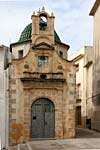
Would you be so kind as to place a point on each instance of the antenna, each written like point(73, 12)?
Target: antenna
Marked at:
point(9, 40)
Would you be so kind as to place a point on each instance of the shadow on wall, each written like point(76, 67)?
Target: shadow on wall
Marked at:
point(96, 97)
point(96, 100)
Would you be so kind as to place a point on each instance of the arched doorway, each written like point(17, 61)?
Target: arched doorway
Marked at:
point(42, 119)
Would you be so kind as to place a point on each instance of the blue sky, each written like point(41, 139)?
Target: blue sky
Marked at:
point(72, 23)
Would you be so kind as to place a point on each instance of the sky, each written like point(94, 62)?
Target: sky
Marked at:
point(72, 21)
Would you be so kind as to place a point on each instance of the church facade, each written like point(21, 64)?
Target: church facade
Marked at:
point(41, 84)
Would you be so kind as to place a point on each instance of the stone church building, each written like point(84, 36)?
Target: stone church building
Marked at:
point(41, 84)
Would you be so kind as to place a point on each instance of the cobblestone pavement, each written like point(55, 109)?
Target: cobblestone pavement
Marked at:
point(85, 140)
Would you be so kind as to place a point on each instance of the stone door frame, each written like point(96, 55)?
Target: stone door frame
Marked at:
point(28, 101)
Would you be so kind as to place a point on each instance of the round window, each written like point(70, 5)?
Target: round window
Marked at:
point(43, 76)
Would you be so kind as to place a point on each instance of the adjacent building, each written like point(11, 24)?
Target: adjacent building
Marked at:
point(4, 95)
point(95, 12)
point(41, 84)
point(83, 60)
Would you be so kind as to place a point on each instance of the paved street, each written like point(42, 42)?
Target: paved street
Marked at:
point(85, 140)
point(86, 133)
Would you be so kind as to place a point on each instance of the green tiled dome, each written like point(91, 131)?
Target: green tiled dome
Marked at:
point(26, 34)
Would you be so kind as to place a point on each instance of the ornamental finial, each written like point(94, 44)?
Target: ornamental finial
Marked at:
point(52, 14)
point(33, 12)
point(43, 8)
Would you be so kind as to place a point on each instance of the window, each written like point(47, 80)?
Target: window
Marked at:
point(61, 54)
point(20, 53)
point(43, 61)
point(78, 91)
point(43, 76)
point(77, 67)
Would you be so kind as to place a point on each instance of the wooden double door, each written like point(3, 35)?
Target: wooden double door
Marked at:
point(43, 119)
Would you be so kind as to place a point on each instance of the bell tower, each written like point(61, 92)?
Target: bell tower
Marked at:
point(42, 27)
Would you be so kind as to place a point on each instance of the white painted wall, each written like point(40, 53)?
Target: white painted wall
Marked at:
point(23, 46)
point(3, 104)
point(2, 100)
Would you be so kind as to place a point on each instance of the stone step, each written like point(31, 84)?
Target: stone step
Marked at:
point(23, 147)
point(40, 139)
point(13, 148)
point(20, 147)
